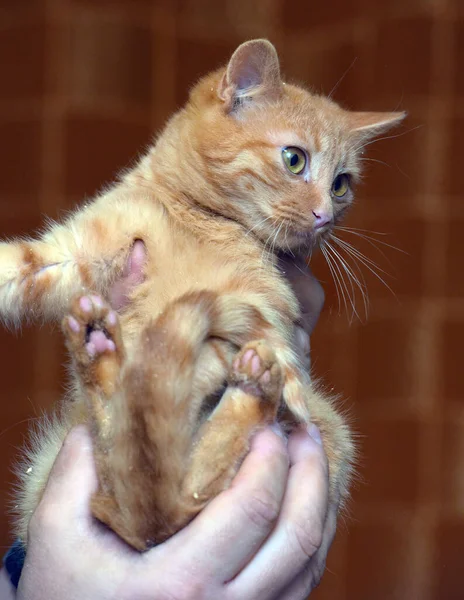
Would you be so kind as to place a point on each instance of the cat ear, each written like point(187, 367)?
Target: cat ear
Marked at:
point(370, 124)
point(253, 72)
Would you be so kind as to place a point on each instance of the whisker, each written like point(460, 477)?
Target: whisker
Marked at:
point(265, 255)
point(7, 429)
point(310, 252)
point(351, 278)
point(268, 248)
point(359, 229)
point(344, 286)
point(328, 260)
point(363, 260)
point(376, 160)
point(259, 224)
point(276, 234)
point(342, 77)
point(286, 242)
point(360, 285)
point(371, 240)
point(349, 248)
point(388, 137)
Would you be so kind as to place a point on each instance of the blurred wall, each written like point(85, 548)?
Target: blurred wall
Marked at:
point(85, 84)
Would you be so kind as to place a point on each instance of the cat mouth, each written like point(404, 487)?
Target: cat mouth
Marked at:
point(306, 238)
point(312, 234)
point(302, 237)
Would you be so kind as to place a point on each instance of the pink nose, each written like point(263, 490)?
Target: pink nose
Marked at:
point(321, 219)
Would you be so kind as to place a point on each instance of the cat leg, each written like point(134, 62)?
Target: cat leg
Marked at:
point(85, 252)
point(250, 401)
point(96, 366)
point(93, 337)
point(240, 321)
point(153, 427)
point(337, 440)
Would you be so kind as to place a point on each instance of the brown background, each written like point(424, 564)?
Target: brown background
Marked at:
point(84, 84)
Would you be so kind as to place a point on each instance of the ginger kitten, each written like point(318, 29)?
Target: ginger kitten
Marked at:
point(249, 167)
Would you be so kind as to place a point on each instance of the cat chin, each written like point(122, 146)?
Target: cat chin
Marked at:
point(300, 241)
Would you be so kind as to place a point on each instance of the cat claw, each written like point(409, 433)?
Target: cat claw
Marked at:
point(256, 370)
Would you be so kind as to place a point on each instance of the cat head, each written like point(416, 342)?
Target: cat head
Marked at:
point(279, 159)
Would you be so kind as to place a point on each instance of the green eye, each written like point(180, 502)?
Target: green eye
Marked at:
point(341, 185)
point(294, 159)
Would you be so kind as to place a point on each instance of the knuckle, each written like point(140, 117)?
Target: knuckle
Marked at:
point(308, 534)
point(262, 508)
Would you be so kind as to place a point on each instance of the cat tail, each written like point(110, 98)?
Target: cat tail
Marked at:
point(39, 277)
point(156, 413)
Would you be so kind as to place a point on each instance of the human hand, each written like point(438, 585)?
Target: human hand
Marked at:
point(264, 538)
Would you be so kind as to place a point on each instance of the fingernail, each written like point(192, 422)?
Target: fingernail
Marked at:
point(314, 432)
point(277, 429)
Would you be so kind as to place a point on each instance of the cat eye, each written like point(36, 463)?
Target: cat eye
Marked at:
point(294, 159)
point(341, 185)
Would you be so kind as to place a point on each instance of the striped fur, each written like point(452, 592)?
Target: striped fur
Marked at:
point(212, 201)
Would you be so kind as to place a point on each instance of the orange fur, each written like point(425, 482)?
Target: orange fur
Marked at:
point(212, 202)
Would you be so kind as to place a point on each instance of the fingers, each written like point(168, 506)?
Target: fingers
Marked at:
point(311, 575)
point(71, 483)
point(235, 524)
point(299, 532)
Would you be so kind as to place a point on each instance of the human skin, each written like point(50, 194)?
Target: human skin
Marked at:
point(266, 537)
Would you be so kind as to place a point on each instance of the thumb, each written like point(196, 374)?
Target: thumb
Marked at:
point(73, 478)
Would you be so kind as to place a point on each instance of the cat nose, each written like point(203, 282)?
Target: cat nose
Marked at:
point(321, 219)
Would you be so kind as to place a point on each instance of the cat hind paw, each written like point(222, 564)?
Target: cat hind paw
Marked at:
point(256, 370)
point(91, 328)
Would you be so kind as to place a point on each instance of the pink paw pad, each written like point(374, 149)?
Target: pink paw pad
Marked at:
point(247, 356)
point(256, 371)
point(266, 377)
point(73, 325)
point(98, 343)
point(250, 355)
point(97, 301)
point(85, 303)
point(112, 318)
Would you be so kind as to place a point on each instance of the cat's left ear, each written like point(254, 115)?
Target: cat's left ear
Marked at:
point(369, 124)
point(253, 73)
